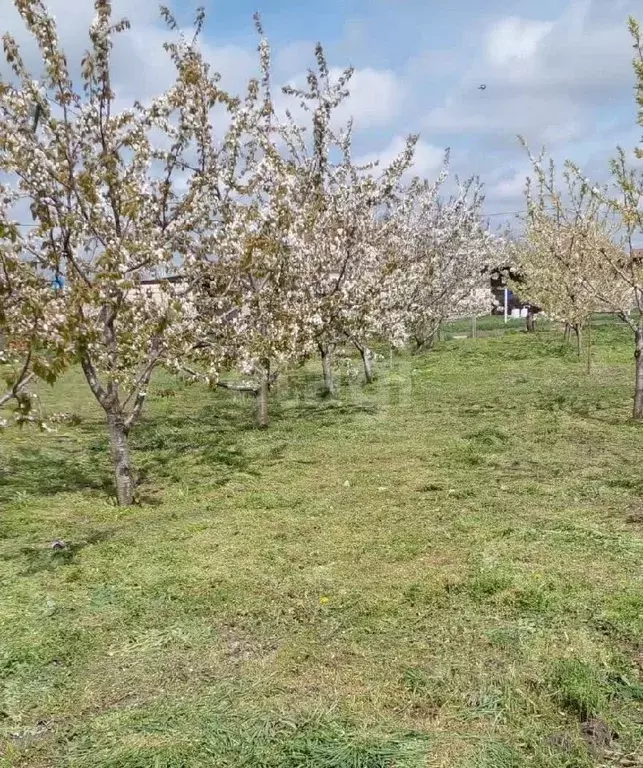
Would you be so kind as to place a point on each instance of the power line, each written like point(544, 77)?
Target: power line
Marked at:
point(484, 216)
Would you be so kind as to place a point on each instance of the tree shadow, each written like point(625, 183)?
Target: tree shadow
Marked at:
point(41, 559)
point(177, 443)
point(182, 446)
point(50, 470)
point(303, 397)
point(324, 411)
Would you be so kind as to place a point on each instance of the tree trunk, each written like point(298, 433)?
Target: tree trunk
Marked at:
point(531, 321)
point(420, 345)
point(638, 389)
point(589, 346)
point(568, 332)
point(578, 330)
point(262, 395)
point(367, 359)
point(435, 335)
point(326, 353)
point(119, 450)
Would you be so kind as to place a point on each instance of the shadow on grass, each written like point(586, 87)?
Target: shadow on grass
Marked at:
point(188, 444)
point(40, 560)
point(302, 397)
point(37, 471)
point(183, 446)
point(327, 411)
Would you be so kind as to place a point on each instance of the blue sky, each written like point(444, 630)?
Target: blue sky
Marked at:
point(556, 71)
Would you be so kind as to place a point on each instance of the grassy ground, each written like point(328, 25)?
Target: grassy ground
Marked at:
point(442, 569)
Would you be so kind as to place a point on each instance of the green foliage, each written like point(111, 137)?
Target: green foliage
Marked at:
point(485, 584)
point(497, 755)
point(580, 687)
point(343, 750)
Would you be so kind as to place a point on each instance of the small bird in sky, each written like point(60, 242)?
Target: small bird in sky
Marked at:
point(482, 87)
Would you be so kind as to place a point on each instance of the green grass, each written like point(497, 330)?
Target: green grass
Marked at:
point(441, 569)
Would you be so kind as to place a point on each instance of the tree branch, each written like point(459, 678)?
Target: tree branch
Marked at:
point(94, 383)
point(245, 388)
point(21, 383)
point(140, 390)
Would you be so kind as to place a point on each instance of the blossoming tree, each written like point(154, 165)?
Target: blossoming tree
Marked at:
point(562, 253)
point(616, 279)
point(344, 208)
point(248, 285)
point(445, 253)
point(30, 341)
point(115, 196)
point(296, 263)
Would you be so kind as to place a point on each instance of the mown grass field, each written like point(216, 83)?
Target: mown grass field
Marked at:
point(442, 569)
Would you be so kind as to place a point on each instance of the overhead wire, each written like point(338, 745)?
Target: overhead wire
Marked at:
point(484, 216)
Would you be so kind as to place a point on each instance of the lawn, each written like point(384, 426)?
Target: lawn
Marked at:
point(444, 568)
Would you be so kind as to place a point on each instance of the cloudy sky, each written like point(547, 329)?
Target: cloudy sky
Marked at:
point(556, 71)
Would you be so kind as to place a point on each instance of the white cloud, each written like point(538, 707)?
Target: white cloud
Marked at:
point(73, 24)
point(563, 81)
point(141, 68)
point(508, 190)
point(514, 40)
point(376, 97)
point(294, 57)
point(236, 65)
point(428, 159)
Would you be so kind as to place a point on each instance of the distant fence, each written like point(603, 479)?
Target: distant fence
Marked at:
point(495, 325)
